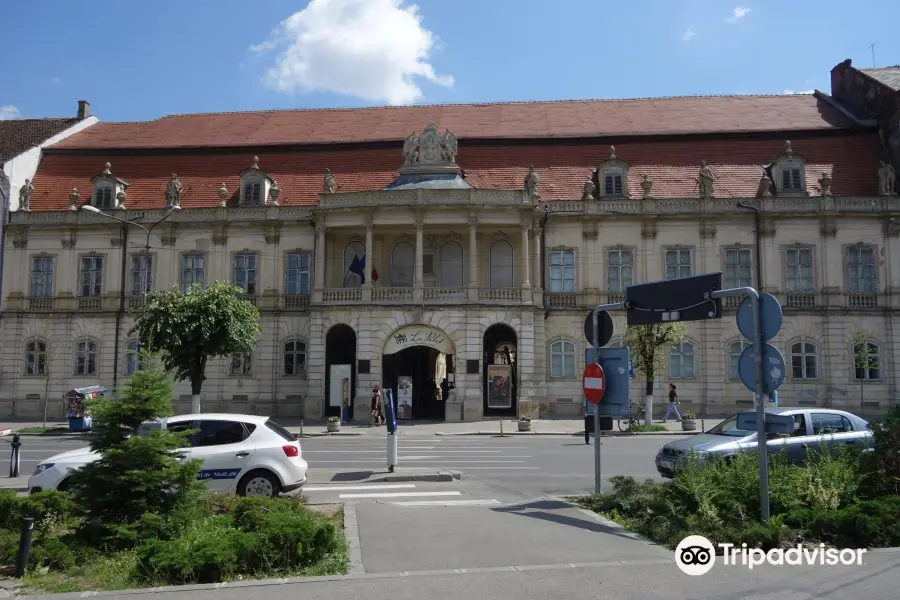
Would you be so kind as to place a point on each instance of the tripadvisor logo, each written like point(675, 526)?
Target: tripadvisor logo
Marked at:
point(696, 555)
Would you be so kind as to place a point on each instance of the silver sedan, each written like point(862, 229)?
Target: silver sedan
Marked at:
point(813, 428)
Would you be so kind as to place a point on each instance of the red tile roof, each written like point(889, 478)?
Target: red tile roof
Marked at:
point(672, 164)
point(18, 135)
point(564, 119)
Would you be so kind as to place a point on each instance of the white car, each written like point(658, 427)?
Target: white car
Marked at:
point(244, 454)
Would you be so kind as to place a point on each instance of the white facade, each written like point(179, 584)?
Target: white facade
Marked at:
point(834, 263)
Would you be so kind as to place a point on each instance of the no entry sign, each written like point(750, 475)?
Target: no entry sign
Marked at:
point(594, 383)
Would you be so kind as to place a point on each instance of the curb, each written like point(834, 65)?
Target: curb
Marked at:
point(565, 433)
point(326, 433)
point(612, 525)
point(60, 435)
point(439, 476)
point(5, 431)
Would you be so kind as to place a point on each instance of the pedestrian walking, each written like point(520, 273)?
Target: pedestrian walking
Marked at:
point(588, 421)
point(377, 417)
point(673, 404)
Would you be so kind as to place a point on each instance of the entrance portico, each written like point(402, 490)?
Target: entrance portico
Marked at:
point(418, 364)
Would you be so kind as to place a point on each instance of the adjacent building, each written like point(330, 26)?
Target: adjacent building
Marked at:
point(405, 246)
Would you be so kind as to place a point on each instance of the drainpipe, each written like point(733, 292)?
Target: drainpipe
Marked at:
point(121, 312)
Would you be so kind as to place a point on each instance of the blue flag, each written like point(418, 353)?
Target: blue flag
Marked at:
point(358, 267)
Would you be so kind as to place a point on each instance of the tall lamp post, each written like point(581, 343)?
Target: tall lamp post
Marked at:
point(121, 312)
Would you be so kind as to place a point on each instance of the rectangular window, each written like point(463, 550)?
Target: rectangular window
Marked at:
point(862, 277)
point(612, 184)
point(678, 263)
point(737, 267)
point(296, 273)
point(241, 364)
point(252, 193)
point(141, 274)
point(798, 269)
point(245, 273)
point(91, 276)
point(562, 271)
point(103, 198)
point(619, 270)
point(41, 277)
point(790, 180)
point(193, 271)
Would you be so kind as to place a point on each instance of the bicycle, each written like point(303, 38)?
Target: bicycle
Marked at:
point(631, 416)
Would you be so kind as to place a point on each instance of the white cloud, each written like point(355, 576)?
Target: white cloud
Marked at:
point(738, 14)
point(790, 92)
point(9, 112)
point(55, 80)
point(377, 50)
point(687, 35)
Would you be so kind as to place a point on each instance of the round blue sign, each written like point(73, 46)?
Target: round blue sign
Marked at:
point(772, 317)
point(774, 368)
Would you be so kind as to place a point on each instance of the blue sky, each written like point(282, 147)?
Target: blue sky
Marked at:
point(142, 60)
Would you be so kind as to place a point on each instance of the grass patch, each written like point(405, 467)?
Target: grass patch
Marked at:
point(646, 428)
point(43, 430)
point(224, 538)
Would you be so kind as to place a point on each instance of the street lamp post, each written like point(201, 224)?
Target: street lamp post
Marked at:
point(121, 312)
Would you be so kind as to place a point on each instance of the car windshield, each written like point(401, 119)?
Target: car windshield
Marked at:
point(729, 427)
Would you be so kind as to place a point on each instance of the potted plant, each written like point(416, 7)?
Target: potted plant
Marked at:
point(524, 423)
point(688, 421)
point(333, 424)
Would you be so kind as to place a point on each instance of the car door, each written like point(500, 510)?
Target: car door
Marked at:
point(832, 430)
point(799, 440)
point(183, 454)
point(225, 449)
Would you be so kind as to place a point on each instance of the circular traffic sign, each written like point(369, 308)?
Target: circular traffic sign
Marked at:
point(771, 313)
point(604, 324)
point(774, 369)
point(594, 383)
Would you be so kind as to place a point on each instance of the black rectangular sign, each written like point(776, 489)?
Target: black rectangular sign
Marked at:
point(674, 300)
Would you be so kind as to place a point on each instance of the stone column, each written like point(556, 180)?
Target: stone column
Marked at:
point(538, 266)
point(320, 263)
point(526, 259)
point(370, 253)
point(420, 243)
point(473, 258)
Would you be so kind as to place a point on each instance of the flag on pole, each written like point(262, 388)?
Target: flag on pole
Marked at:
point(358, 267)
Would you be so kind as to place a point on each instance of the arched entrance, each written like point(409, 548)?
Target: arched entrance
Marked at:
point(500, 371)
point(340, 370)
point(415, 362)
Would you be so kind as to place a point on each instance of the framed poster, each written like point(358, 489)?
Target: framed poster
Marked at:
point(404, 397)
point(499, 386)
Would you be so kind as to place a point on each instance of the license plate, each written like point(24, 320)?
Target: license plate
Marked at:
point(665, 464)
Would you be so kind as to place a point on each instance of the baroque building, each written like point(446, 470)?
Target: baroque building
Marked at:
point(400, 246)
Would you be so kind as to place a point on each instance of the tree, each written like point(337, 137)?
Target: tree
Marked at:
point(190, 328)
point(138, 484)
point(649, 346)
point(865, 358)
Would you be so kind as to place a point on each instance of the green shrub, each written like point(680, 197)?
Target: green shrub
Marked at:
point(868, 524)
point(13, 508)
point(52, 553)
point(881, 467)
point(9, 546)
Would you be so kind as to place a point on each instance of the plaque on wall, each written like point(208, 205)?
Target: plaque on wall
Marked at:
point(471, 367)
point(499, 386)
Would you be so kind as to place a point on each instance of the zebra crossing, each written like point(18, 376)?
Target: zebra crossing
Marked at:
point(400, 494)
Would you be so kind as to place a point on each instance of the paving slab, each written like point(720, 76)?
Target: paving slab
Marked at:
point(541, 532)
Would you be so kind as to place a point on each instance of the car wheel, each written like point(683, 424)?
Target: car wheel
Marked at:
point(63, 486)
point(259, 484)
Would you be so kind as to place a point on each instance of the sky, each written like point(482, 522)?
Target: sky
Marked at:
point(142, 60)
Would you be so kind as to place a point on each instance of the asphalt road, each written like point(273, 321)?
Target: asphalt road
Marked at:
point(495, 470)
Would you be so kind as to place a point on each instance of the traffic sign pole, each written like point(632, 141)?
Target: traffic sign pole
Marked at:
point(598, 475)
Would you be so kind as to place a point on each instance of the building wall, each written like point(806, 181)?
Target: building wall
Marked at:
point(828, 316)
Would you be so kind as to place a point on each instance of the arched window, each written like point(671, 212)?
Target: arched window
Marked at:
point(451, 265)
point(403, 265)
point(867, 361)
point(735, 350)
point(86, 357)
point(294, 357)
point(354, 254)
point(562, 359)
point(804, 360)
point(681, 361)
point(133, 360)
point(502, 274)
point(36, 357)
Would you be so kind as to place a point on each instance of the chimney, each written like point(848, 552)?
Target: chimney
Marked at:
point(84, 109)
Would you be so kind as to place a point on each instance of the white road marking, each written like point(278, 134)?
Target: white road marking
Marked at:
point(448, 503)
point(382, 451)
point(340, 487)
point(401, 458)
point(399, 494)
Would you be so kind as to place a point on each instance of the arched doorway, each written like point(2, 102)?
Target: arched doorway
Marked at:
point(340, 370)
point(500, 371)
point(415, 362)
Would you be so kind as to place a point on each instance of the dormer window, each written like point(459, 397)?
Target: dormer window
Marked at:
point(108, 190)
point(612, 176)
point(256, 185)
point(790, 172)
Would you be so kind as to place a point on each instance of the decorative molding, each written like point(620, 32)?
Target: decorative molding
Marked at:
point(473, 218)
point(589, 231)
point(220, 235)
point(767, 227)
point(453, 237)
point(168, 238)
point(827, 226)
point(272, 233)
point(707, 229)
point(499, 235)
point(115, 242)
point(891, 227)
point(648, 230)
point(20, 237)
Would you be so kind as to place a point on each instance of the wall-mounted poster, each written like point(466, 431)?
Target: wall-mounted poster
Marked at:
point(499, 386)
point(404, 397)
